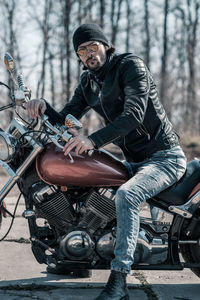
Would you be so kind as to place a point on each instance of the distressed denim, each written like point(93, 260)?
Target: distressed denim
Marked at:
point(150, 177)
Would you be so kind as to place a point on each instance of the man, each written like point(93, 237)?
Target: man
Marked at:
point(121, 89)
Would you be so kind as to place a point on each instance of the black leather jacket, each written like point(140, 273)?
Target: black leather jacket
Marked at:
point(128, 101)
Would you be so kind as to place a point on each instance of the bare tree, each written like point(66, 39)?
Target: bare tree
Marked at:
point(192, 25)
point(147, 31)
point(61, 67)
point(52, 77)
point(115, 18)
point(88, 9)
point(67, 36)
point(164, 59)
point(128, 24)
point(45, 28)
point(102, 12)
point(79, 19)
point(9, 39)
point(180, 92)
point(65, 48)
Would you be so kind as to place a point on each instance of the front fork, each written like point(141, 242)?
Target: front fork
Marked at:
point(41, 250)
point(15, 175)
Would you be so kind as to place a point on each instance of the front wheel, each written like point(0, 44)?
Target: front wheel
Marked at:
point(191, 252)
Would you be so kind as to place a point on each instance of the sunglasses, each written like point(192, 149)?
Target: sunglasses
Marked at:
point(93, 47)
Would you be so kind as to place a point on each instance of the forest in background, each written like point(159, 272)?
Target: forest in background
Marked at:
point(164, 33)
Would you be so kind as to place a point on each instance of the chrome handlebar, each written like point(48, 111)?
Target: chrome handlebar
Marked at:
point(64, 136)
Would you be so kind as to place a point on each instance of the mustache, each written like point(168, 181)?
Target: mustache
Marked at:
point(90, 58)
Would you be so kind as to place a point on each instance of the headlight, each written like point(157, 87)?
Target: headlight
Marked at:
point(7, 146)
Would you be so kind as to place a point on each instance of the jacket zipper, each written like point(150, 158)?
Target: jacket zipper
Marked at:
point(144, 130)
point(125, 146)
point(100, 98)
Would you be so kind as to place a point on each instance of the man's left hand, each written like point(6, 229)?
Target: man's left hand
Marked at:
point(79, 143)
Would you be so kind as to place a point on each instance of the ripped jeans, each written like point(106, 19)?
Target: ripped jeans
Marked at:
point(150, 177)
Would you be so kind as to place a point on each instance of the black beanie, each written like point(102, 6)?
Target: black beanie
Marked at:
point(88, 32)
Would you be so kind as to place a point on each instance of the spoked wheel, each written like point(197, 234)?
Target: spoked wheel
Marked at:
point(191, 252)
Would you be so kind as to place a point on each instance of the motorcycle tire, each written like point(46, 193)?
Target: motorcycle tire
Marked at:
point(191, 253)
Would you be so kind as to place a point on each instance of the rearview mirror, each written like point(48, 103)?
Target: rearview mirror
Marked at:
point(9, 62)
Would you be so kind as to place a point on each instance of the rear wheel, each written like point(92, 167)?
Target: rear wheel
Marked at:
point(191, 256)
point(191, 252)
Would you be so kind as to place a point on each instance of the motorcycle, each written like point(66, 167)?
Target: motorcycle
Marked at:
point(70, 200)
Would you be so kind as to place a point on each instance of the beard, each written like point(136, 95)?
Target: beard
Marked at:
point(94, 65)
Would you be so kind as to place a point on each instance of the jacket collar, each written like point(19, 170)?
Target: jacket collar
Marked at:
point(114, 59)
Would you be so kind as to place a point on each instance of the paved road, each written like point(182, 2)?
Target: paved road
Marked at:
point(21, 277)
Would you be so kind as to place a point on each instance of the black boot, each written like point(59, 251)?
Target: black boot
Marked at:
point(116, 288)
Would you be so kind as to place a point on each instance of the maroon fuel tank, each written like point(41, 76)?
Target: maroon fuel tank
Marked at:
point(98, 170)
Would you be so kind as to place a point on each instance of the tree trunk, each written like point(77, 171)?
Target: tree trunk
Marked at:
point(10, 7)
point(164, 59)
point(128, 24)
point(192, 105)
point(67, 36)
point(79, 19)
point(45, 27)
point(115, 18)
point(102, 13)
point(147, 42)
point(52, 78)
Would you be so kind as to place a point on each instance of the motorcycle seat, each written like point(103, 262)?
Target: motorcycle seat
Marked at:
point(180, 192)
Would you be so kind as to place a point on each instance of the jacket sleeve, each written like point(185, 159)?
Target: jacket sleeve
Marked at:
point(135, 83)
point(77, 107)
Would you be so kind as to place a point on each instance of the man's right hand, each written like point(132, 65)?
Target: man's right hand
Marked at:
point(36, 107)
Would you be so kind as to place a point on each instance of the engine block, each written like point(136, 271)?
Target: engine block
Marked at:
point(98, 210)
point(54, 206)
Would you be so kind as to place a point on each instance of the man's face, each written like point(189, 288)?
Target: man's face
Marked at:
point(92, 54)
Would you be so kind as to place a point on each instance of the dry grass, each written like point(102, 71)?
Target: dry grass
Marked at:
point(191, 146)
point(191, 142)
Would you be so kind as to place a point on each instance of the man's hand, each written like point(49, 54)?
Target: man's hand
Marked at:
point(36, 107)
point(78, 142)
